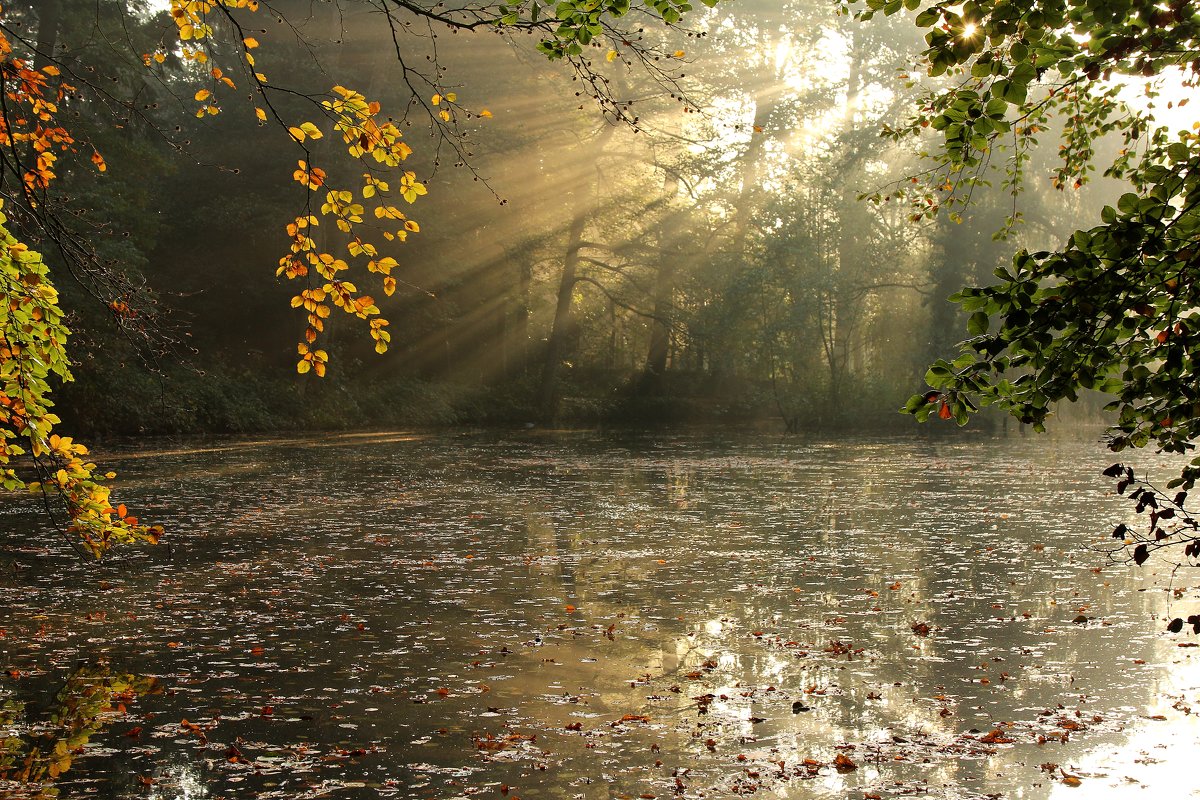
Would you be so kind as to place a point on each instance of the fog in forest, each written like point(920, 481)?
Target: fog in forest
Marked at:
point(692, 248)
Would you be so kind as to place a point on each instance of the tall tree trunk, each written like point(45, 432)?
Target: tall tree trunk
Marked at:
point(564, 321)
point(558, 346)
point(852, 227)
point(664, 290)
point(766, 101)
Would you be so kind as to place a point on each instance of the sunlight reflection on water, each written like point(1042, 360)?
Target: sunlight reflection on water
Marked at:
point(587, 616)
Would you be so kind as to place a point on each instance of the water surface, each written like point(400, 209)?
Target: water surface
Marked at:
point(588, 616)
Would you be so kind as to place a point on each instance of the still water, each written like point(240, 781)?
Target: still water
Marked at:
point(588, 616)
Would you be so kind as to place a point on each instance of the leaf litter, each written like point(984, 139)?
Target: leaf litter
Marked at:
point(450, 616)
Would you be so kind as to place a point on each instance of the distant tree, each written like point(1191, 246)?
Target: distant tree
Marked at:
point(1116, 309)
point(201, 58)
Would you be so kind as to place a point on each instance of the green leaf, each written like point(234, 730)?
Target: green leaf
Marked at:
point(928, 17)
point(939, 375)
point(1023, 74)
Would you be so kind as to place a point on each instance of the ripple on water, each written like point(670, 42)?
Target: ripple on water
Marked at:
point(429, 616)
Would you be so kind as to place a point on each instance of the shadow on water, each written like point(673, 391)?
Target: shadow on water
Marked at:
point(577, 615)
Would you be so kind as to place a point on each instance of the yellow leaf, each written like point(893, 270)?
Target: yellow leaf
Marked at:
point(445, 115)
point(262, 115)
point(437, 99)
point(678, 54)
point(368, 191)
point(296, 133)
point(250, 42)
point(312, 130)
point(303, 367)
point(319, 368)
point(160, 57)
point(485, 113)
point(611, 55)
point(203, 95)
point(50, 70)
point(412, 226)
point(451, 97)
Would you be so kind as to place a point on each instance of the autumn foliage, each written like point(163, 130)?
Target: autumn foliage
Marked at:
point(33, 336)
point(372, 141)
point(379, 147)
point(362, 212)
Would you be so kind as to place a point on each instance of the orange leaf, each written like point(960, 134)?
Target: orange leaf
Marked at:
point(843, 763)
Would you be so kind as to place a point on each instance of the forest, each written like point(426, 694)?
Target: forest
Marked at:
point(697, 252)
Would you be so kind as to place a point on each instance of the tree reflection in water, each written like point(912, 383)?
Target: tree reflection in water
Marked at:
point(35, 752)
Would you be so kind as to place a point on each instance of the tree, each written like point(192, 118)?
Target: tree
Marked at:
point(1116, 309)
point(57, 105)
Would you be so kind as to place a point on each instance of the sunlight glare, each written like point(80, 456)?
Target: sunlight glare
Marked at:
point(783, 55)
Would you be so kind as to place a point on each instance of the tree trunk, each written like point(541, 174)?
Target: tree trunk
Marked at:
point(664, 290)
point(558, 346)
point(852, 228)
point(564, 322)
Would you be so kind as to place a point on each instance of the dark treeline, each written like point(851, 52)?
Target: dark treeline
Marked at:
point(711, 261)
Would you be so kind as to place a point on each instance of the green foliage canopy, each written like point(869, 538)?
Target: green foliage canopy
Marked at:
point(1117, 308)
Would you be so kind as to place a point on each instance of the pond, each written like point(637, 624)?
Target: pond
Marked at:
point(577, 615)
